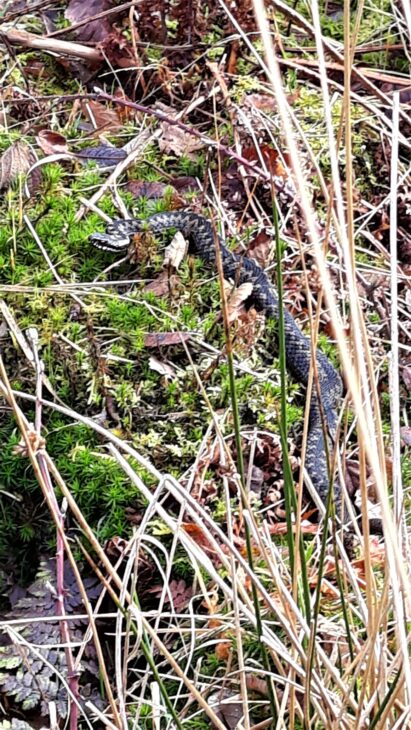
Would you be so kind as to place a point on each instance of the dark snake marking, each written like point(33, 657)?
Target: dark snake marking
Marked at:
point(199, 233)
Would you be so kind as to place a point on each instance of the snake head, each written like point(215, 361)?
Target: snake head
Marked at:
point(117, 236)
point(110, 242)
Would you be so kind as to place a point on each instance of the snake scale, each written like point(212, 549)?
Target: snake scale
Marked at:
point(199, 232)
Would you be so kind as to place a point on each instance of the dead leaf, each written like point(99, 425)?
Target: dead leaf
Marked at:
point(105, 119)
point(264, 102)
point(148, 190)
point(161, 367)
point(52, 143)
point(199, 537)
point(16, 160)
point(223, 650)
point(178, 142)
point(406, 376)
point(164, 339)
point(260, 248)
point(93, 31)
point(163, 284)
point(236, 298)
point(228, 708)
point(175, 251)
point(180, 592)
point(271, 158)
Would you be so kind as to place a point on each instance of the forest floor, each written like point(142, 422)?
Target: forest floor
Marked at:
point(164, 559)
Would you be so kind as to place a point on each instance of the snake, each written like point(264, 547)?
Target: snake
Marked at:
point(326, 397)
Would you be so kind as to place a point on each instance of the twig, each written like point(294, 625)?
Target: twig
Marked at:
point(43, 43)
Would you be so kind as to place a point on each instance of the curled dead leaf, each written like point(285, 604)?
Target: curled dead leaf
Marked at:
point(16, 160)
point(52, 143)
point(175, 251)
point(236, 299)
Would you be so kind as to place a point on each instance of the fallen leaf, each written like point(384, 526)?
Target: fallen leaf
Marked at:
point(236, 298)
point(93, 31)
point(102, 117)
point(52, 143)
point(223, 650)
point(185, 184)
point(199, 537)
point(180, 592)
point(16, 160)
point(179, 142)
point(228, 708)
point(270, 156)
point(161, 367)
point(175, 251)
point(405, 432)
point(148, 190)
point(163, 284)
point(406, 376)
point(264, 102)
point(259, 248)
point(164, 339)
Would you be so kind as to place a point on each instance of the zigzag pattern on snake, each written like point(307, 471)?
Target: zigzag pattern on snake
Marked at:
point(199, 232)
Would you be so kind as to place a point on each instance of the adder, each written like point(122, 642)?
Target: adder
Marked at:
point(199, 232)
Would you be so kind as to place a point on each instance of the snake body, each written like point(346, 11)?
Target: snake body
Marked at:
point(199, 232)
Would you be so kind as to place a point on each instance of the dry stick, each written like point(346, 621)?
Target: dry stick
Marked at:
point(42, 43)
point(356, 353)
point(368, 72)
point(152, 632)
point(368, 435)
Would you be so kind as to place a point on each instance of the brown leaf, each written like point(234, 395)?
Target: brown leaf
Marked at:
point(270, 156)
point(229, 711)
point(163, 284)
point(185, 184)
point(148, 190)
point(222, 650)
point(16, 160)
point(107, 120)
point(236, 299)
point(179, 142)
point(264, 102)
point(93, 31)
point(199, 537)
point(52, 143)
point(259, 248)
point(164, 339)
point(181, 593)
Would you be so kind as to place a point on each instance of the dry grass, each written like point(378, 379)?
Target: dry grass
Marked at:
point(346, 664)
